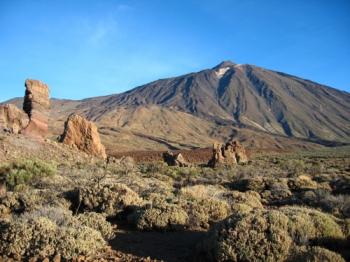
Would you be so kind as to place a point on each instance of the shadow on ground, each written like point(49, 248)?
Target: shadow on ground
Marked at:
point(170, 246)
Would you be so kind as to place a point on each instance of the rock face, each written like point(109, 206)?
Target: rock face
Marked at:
point(175, 159)
point(229, 154)
point(12, 119)
point(83, 134)
point(37, 105)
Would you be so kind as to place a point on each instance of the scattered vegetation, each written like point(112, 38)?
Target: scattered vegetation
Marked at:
point(49, 231)
point(277, 208)
point(26, 172)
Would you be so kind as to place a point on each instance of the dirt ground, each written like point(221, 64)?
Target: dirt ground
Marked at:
point(170, 246)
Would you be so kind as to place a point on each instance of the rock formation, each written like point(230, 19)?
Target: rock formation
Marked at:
point(37, 105)
point(175, 159)
point(83, 134)
point(12, 119)
point(230, 154)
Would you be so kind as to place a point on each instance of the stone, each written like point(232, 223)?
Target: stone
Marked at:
point(37, 106)
point(83, 134)
point(228, 154)
point(57, 258)
point(12, 119)
point(175, 159)
point(241, 154)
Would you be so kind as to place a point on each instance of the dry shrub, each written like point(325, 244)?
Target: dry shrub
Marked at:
point(277, 191)
point(28, 200)
point(267, 235)
point(256, 184)
point(49, 231)
point(162, 216)
point(341, 185)
point(301, 183)
point(249, 198)
point(308, 224)
point(98, 222)
point(259, 235)
point(338, 205)
point(108, 199)
point(203, 212)
point(315, 254)
point(201, 191)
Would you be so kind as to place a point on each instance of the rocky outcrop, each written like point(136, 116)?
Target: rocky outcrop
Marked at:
point(83, 134)
point(175, 159)
point(37, 105)
point(12, 119)
point(229, 154)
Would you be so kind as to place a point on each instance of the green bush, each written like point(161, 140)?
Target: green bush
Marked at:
point(26, 172)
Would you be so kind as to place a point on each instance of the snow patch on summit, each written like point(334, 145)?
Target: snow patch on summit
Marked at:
point(221, 71)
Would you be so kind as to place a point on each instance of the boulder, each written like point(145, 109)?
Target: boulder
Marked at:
point(229, 154)
point(37, 106)
point(175, 159)
point(241, 155)
point(12, 119)
point(83, 134)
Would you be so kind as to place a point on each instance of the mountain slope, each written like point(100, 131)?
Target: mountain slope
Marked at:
point(247, 96)
point(263, 108)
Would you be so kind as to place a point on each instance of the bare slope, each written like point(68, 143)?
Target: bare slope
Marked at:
point(250, 96)
point(264, 108)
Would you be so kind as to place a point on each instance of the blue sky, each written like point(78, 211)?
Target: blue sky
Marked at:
point(91, 48)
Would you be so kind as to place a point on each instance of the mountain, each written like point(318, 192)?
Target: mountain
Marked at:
point(228, 100)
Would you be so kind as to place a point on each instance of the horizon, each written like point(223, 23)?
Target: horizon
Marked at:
point(88, 48)
point(102, 95)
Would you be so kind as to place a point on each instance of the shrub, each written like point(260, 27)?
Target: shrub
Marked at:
point(201, 191)
point(98, 222)
point(277, 192)
point(160, 216)
point(341, 185)
point(26, 172)
point(256, 184)
point(315, 254)
point(29, 200)
point(108, 199)
point(249, 198)
point(294, 166)
point(259, 235)
point(335, 204)
point(203, 212)
point(302, 182)
point(309, 224)
point(49, 231)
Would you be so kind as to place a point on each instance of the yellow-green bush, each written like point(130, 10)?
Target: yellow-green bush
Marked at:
point(305, 224)
point(259, 235)
point(302, 182)
point(203, 212)
point(249, 198)
point(315, 254)
point(159, 216)
point(98, 222)
point(49, 231)
point(108, 199)
point(26, 172)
